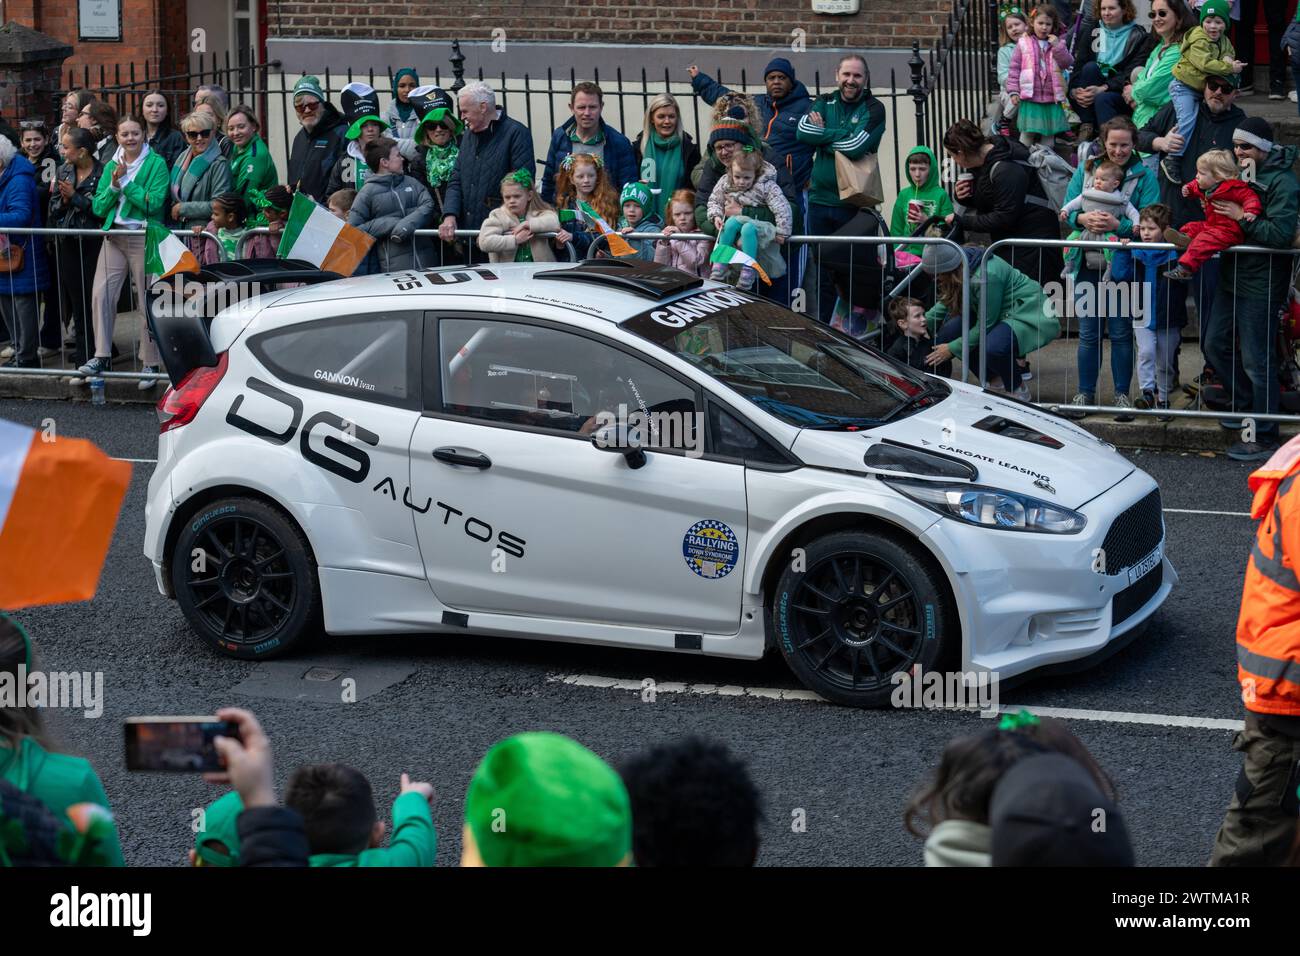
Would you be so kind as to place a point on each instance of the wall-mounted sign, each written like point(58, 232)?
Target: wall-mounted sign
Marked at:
point(835, 6)
point(99, 19)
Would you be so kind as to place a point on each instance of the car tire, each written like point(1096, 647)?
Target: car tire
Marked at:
point(245, 579)
point(821, 616)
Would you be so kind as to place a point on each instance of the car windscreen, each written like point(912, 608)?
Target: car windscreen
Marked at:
point(788, 364)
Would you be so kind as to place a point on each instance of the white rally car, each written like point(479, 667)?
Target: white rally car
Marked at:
point(618, 453)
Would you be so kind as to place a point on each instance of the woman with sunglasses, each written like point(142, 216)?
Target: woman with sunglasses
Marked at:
point(1149, 91)
point(198, 175)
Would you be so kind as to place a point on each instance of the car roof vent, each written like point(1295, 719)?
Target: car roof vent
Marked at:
point(649, 279)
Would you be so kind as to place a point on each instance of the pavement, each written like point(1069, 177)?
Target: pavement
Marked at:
point(1157, 716)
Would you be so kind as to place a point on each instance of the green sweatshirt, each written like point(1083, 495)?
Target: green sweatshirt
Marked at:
point(146, 193)
point(929, 191)
point(252, 173)
point(1201, 57)
point(414, 841)
point(1256, 275)
point(854, 129)
point(1151, 88)
point(1013, 298)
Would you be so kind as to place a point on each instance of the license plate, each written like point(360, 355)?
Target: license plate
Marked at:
point(1146, 565)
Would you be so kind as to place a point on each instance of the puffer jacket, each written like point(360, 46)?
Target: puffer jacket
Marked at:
point(20, 208)
point(706, 175)
point(688, 255)
point(779, 125)
point(483, 161)
point(391, 205)
point(765, 193)
point(496, 240)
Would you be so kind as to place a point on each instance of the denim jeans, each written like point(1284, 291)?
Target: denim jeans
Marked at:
point(1000, 341)
point(1241, 345)
point(1119, 328)
point(822, 221)
point(1187, 104)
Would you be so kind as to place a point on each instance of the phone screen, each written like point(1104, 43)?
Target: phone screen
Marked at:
point(175, 744)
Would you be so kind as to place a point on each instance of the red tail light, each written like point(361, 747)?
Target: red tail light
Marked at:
point(179, 405)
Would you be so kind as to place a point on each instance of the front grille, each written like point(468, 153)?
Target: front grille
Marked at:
point(1134, 534)
point(1128, 601)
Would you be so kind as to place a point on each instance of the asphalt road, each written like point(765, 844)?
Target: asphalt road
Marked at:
point(849, 772)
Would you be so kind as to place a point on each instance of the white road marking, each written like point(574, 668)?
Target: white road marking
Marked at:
point(139, 461)
point(1194, 511)
point(781, 693)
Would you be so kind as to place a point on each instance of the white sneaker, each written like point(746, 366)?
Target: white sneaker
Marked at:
point(1022, 393)
point(46, 352)
point(147, 383)
point(1291, 96)
point(7, 352)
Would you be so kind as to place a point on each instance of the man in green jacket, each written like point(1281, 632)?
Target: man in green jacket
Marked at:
point(849, 121)
point(1241, 336)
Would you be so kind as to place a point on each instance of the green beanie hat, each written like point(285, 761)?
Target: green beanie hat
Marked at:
point(220, 820)
point(638, 193)
point(308, 86)
point(540, 799)
point(1215, 8)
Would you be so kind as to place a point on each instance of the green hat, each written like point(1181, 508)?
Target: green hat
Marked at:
point(540, 799)
point(638, 193)
point(360, 106)
point(308, 86)
point(220, 820)
point(1215, 8)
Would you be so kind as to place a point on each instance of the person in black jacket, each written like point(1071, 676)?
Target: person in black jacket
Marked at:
point(74, 259)
point(319, 143)
point(162, 135)
point(493, 146)
point(1004, 199)
point(1108, 47)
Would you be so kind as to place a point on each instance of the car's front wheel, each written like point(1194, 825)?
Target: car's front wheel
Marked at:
point(854, 608)
point(245, 579)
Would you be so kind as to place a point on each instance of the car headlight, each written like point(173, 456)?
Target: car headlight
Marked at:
point(991, 507)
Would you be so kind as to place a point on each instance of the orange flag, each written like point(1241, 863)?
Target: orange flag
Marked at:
point(59, 502)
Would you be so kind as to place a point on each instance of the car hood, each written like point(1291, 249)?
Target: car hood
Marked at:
point(1012, 445)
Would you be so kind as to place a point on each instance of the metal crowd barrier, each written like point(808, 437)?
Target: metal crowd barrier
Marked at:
point(85, 324)
point(1207, 276)
point(431, 234)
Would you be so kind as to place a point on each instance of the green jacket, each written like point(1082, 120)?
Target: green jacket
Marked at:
point(929, 191)
point(854, 129)
point(1151, 88)
point(252, 173)
point(57, 780)
point(1202, 57)
point(146, 194)
point(1013, 298)
point(414, 841)
point(1258, 275)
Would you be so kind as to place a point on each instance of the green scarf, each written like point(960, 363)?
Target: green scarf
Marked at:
point(666, 155)
point(184, 180)
point(438, 162)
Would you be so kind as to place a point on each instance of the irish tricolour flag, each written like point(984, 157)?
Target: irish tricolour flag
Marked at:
point(617, 244)
point(59, 499)
point(316, 235)
point(165, 255)
point(730, 254)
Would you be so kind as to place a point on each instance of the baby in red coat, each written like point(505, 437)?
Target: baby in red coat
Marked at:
point(1216, 181)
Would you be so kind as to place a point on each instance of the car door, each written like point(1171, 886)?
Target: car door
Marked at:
point(530, 517)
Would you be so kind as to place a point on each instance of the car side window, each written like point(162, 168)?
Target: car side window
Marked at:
point(732, 438)
point(370, 357)
point(516, 374)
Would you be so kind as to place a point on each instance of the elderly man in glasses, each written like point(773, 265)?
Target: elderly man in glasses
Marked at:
point(319, 144)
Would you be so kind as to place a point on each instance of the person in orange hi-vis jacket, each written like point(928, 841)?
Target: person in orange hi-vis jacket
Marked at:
point(1260, 825)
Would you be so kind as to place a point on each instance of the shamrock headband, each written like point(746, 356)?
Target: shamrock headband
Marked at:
point(27, 641)
point(521, 177)
point(567, 163)
point(1011, 11)
point(1017, 721)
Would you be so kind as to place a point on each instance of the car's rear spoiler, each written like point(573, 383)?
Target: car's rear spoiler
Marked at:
point(183, 336)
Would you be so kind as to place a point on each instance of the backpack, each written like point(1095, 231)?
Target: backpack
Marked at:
point(1053, 174)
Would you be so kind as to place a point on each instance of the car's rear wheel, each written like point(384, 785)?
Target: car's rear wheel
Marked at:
point(854, 609)
point(244, 577)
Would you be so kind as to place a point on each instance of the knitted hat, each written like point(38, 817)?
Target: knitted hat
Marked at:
point(733, 126)
point(360, 106)
point(1215, 8)
point(939, 258)
point(1048, 811)
point(220, 820)
point(1254, 131)
point(638, 193)
point(433, 105)
point(779, 65)
point(308, 86)
point(540, 799)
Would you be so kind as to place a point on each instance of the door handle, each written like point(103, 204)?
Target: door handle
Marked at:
point(462, 456)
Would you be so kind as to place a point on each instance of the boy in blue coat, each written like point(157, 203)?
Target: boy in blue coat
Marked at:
point(1162, 306)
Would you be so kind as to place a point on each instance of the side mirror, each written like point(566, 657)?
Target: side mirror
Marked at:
point(628, 442)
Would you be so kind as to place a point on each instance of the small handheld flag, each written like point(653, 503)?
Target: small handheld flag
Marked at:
point(730, 254)
point(316, 235)
point(617, 244)
point(165, 255)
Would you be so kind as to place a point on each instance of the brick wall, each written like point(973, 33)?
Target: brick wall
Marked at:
point(768, 23)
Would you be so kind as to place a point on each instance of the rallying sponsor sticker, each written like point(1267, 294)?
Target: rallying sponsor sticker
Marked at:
point(710, 549)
